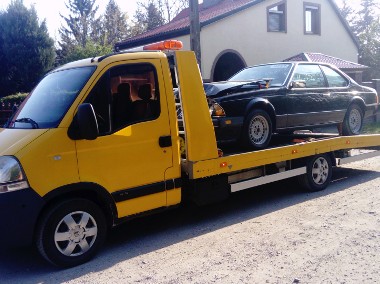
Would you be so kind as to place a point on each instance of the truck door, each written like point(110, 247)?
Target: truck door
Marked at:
point(127, 159)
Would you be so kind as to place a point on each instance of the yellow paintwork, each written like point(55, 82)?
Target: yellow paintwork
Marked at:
point(232, 163)
point(141, 204)
point(200, 135)
point(50, 161)
point(13, 140)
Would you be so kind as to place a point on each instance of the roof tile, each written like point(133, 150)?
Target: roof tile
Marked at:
point(323, 58)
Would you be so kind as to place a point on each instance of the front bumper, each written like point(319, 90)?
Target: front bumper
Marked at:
point(227, 129)
point(19, 211)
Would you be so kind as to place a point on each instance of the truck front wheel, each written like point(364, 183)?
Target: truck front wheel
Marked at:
point(71, 232)
point(318, 173)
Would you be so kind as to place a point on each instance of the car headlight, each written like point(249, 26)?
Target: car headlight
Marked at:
point(12, 177)
point(216, 110)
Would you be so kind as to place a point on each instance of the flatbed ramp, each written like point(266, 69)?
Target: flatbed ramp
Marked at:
point(242, 161)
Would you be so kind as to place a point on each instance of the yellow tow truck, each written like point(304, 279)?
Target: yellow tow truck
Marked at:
point(97, 142)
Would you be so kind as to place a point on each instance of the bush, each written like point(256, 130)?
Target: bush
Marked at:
point(12, 100)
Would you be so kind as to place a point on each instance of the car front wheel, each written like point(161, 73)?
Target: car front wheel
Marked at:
point(71, 232)
point(353, 121)
point(257, 130)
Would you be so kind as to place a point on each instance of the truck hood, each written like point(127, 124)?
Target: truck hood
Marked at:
point(13, 140)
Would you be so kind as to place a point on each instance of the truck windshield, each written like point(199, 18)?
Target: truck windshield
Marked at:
point(277, 72)
point(46, 105)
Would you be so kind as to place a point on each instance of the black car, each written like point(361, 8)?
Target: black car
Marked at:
point(287, 96)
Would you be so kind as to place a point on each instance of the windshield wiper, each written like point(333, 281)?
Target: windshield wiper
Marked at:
point(27, 120)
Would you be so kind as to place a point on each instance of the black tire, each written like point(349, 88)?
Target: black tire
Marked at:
point(71, 232)
point(318, 173)
point(353, 121)
point(257, 130)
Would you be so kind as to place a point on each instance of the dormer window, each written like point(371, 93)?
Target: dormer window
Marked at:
point(312, 18)
point(276, 17)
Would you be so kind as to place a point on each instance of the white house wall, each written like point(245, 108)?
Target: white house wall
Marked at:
point(246, 33)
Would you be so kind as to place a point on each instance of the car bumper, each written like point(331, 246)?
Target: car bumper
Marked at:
point(19, 211)
point(227, 128)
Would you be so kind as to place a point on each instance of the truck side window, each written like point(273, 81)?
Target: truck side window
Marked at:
point(99, 98)
point(125, 95)
point(135, 94)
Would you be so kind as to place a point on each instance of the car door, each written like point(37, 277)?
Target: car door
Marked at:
point(339, 94)
point(126, 159)
point(307, 105)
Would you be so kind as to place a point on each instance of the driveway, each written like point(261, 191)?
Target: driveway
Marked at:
point(272, 234)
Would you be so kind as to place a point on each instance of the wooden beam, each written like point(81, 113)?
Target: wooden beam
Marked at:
point(195, 30)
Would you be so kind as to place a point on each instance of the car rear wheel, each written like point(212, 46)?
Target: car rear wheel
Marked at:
point(257, 130)
point(318, 173)
point(71, 232)
point(353, 121)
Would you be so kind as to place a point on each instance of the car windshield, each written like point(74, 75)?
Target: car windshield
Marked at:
point(277, 72)
point(49, 101)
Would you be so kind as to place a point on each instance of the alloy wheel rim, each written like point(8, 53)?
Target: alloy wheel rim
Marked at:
point(320, 171)
point(75, 234)
point(258, 130)
point(355, 121)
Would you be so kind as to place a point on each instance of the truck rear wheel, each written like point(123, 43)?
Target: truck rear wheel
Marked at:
point(71, 232)
point(318, 173)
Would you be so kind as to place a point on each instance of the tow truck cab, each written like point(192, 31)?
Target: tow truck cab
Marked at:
point(101, 129)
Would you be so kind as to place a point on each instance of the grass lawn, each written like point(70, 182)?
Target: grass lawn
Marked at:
point(371, 128)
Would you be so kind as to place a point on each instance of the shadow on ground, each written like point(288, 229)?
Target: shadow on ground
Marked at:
point(141, 236)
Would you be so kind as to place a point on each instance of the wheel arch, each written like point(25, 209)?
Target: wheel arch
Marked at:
point(89, 191)
point(260, 103)
point(360, 102)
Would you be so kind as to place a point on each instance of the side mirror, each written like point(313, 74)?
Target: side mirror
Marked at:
point(85, 125)
point(298, 84)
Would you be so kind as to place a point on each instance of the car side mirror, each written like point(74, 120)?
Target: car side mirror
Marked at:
point(84, 125)
point(298, 84)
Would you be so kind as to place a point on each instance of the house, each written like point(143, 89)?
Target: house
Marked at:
point(354, 70)
point(238, 33)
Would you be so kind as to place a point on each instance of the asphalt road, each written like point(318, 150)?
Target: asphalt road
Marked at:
point(272, 234)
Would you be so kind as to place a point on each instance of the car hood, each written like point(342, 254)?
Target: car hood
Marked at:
point(13, 140)
point(219, 89)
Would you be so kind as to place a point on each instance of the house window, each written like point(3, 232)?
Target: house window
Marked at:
point(312, 18)
point(276, 17)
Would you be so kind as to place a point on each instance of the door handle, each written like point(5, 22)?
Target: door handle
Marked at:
point(165, 141)
point(326, 94)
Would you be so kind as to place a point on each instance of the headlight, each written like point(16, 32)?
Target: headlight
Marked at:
point(11, 175)
point(216, 110)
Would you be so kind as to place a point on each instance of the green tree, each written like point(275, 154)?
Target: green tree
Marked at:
point(148, 16)
point(170, 8)
point(347, 11)
point(80, 22)
point(26, 50)
point(365, 24)
point(114, 24)
point(79, 27)
point(151, 14)
point(91, 49)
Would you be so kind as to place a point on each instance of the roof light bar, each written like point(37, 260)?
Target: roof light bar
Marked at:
point(165, 45)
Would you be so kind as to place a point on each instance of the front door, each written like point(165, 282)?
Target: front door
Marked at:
point(309, 105)
point(126, 159)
